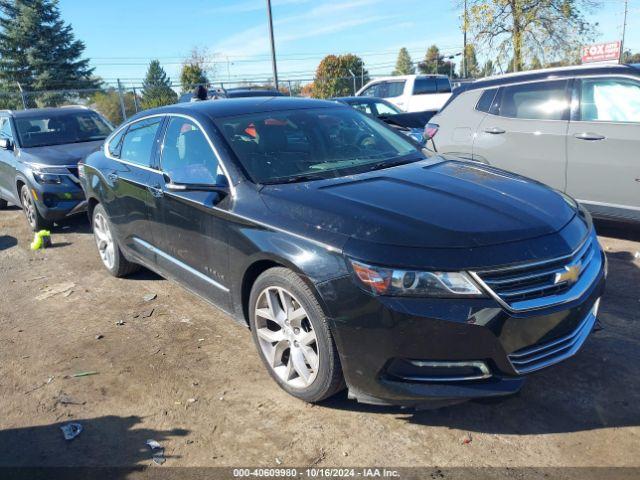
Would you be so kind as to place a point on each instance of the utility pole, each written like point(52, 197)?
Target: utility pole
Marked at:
point(273, 46)
point(624, 31)
point(353, 76)
point(464, 42)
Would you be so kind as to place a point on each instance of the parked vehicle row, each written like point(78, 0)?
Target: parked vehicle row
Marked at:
point(240, 92)
point(355, 260)
point(576, 129)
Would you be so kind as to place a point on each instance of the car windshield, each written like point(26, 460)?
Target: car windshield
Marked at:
point(40, 130)
point(299, 145)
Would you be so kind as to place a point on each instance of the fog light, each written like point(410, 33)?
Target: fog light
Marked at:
point(438, 371)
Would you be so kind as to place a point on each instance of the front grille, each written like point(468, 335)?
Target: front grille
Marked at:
point(539, 356)
point(547, 282)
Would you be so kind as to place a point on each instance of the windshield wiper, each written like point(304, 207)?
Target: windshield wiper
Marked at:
point(392, 163)
point(294, 179)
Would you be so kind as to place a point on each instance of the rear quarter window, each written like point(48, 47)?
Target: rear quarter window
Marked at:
point(486, 100)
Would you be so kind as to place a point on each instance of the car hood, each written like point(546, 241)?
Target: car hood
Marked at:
point(68, 154)
point(449, 204)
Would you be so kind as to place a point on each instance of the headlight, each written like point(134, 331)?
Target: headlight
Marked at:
point(47, 175)
point(410, 283)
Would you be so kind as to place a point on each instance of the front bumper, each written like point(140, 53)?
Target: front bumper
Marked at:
point(56, 202)
point(381, 338)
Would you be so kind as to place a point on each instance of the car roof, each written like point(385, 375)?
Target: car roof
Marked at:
point(251, 92)
point(406, 77)
point(239, 106)
point(542, 74)
point(48, 111)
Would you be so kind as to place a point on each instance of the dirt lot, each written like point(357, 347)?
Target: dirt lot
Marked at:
point(182, 373)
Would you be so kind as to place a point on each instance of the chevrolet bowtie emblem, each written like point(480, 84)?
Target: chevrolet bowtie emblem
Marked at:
point(570, 275)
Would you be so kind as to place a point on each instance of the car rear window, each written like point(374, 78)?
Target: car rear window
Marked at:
point(425, 86)
point(444, 85)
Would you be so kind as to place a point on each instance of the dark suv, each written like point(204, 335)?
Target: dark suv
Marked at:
point(351, 256)
point(39, 153)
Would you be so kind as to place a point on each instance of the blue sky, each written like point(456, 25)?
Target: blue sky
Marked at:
point(123, 35)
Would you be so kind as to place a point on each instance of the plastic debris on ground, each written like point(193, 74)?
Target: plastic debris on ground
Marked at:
point(41, 239)
point(467, 439)
point(71, 430)
point(150, 296)
point(158, 452)
point(84, 374)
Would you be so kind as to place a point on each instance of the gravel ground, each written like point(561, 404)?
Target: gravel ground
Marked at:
point(176, 370)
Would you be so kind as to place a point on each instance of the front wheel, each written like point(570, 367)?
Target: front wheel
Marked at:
point(36, 221)
point(293, 338)
point(3, 204)
point(110, 253)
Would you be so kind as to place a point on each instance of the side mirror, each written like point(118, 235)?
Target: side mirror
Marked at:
point(6, 144)
point(222, 186)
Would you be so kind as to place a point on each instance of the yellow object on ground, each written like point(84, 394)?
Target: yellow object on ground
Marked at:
point(41, 239)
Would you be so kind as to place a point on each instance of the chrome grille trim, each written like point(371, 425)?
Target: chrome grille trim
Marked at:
point(534, 285)
point(536, 357)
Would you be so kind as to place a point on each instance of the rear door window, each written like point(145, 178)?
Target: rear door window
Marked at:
point(425, 86)
point(535, 101)
point(138, 142)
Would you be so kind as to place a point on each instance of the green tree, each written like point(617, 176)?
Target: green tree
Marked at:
point(194, 70)
point(536, 64)
point(487, 69)
point(434, 62)
point(107, 102)
point(404, 64)
point(156, 87)
point(629, 57)
point(471, 62)
point(39, 51)
point(334, 76)
point(191, 76)
point(551, 29)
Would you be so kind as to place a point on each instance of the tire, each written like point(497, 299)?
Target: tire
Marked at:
point(3, 204)
point(108, 248)
point(36, 221)
point(287, 343)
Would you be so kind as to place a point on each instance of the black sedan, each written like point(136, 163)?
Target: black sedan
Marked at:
point(353, 259)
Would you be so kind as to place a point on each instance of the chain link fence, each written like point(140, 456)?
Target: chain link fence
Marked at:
point(120, 101)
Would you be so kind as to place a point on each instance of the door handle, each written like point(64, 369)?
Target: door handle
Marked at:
point(495, 130)
point(156, 191)
point(589, 136)
point(113, 177)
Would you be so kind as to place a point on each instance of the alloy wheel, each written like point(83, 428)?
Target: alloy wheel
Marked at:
point(286, 337)
point(104, 240)
point(29, 207)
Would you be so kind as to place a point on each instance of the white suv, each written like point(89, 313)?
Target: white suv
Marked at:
point(576, 129)
point(412, 93)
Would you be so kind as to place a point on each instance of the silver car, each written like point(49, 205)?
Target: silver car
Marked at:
point(576, 129)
